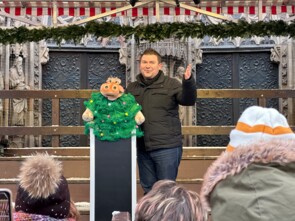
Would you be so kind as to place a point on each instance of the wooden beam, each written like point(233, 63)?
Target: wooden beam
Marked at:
point(83, 21)
point(53, 94)
point(202, 151)
point(19, 18)
point(201, 93)
point(185, 6)
point(259, 10)
point(206, 130)
point(54, 13)
point(158, 11)
point(245, 93)
point(290, 18)
point(60, 151)
point(85, 151)
point(45, 130)
point(79, 130)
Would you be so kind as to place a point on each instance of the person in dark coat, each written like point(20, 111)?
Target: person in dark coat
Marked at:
point(253, 180)
point(160, 150)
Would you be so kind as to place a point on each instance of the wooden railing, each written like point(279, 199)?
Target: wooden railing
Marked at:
point(55, 130)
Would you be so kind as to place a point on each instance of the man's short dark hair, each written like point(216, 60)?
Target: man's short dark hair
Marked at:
point(151, 51)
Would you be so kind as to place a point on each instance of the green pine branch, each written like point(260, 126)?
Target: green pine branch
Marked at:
point(151, 32)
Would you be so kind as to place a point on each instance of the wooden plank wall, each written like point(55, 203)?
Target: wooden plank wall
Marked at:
point(55, 95)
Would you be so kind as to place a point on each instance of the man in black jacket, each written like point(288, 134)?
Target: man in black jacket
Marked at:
point(160, 150)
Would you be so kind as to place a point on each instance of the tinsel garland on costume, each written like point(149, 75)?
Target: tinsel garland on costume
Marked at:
point(113, 120)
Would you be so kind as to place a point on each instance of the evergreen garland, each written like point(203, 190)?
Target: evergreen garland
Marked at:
point(151, 32)
point(113, 120)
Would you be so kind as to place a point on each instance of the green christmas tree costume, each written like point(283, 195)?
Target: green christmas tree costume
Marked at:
point(113, 120)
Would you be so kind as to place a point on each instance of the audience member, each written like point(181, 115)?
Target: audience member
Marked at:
point(43, 192)
point(168, 201)
point(254, 179)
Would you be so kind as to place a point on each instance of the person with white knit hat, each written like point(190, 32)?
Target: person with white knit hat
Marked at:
point(254, 180)
point(259, 123)
point(43, 193)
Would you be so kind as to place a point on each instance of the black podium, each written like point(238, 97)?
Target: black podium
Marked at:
point(112, 177)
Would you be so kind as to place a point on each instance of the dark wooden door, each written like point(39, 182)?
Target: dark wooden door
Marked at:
point(76, 69)
point(225, 70)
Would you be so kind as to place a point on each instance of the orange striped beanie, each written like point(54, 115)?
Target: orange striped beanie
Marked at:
point(259, 123)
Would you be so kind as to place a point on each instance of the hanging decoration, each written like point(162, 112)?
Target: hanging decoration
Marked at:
point(151, 32)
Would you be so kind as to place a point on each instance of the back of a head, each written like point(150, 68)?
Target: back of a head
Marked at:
point(258, 124)
point(168, 201)
point(43, 189)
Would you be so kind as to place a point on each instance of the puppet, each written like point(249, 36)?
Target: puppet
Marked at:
point(112, 113)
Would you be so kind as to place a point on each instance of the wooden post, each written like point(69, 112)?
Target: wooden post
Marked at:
point(30, 74)
point(262, 101)
point(6, 86)
point(55, 121)
point(54, 13)
point(40, 101)
point(157, 11)
point(260, 10)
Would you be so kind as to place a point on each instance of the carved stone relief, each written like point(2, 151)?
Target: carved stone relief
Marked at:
point(275, 54)
point(22, 71)
point(279, 54)
point(284, 66)
point(18, 81)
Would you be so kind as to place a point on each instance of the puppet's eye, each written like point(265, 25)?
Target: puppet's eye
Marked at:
point(106, 87)
point(114, 87)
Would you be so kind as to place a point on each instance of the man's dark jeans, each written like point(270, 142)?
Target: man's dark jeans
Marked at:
point(158, 165)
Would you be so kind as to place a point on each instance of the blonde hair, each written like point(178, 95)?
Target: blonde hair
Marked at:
point(74, 213)
point(168, 201)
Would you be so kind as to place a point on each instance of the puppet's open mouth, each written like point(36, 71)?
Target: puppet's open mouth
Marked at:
point(111, 96)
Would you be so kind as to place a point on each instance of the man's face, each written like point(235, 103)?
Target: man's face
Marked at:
point(149, 66)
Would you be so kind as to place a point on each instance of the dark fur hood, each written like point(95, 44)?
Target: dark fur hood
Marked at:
point(232, 163)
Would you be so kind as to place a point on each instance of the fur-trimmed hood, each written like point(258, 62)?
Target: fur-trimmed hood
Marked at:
point(232, 163)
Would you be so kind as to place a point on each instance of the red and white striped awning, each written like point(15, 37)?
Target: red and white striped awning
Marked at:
point(39, 8)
